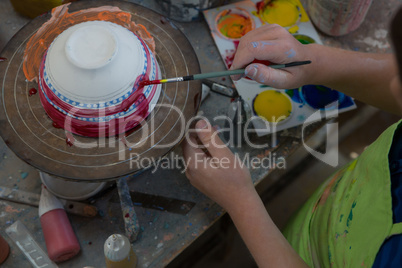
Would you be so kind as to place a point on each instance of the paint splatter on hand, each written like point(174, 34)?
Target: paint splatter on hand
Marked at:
point(274, 44)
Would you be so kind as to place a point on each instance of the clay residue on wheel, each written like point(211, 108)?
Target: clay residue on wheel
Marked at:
point(61, 20)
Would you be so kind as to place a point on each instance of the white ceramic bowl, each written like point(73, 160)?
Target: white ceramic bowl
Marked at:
point(151, 94)
point(90, 73)
point(95, 61)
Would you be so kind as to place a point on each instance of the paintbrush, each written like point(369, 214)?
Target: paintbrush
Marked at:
point(217, 74)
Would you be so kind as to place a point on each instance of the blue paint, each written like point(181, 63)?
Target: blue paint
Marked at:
point(346, 102)
point(291, 53)
point(173, 25)
point(350, 217)
point(337, 235)
point(158, 207)
point(319, 97)
point(261, 43)
point(261, 78)
point(294, 95)
point(265, 43)
point(301, 117)
point(24, 175)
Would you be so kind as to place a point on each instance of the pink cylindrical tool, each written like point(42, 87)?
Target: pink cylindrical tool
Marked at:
point(61, 242)
point(4, 249)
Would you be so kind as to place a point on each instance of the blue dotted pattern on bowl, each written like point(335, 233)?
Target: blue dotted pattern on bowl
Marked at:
point(110, 117)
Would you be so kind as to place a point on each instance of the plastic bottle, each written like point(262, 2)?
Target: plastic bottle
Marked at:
point(4, 249)
point(337, 17)
point(61, 242)
point(119, 253)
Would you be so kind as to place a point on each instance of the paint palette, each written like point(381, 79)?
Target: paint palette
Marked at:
point(274, 110)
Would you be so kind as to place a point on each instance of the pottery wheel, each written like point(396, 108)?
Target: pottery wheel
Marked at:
point(29, 132)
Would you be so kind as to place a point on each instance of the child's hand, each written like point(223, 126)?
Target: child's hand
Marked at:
point(276, 45)
point(214, 170)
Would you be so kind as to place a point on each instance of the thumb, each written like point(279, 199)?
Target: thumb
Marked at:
point(268, 76)
point(210, 139)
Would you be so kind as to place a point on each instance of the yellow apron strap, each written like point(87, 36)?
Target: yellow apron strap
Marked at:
point(396, 228)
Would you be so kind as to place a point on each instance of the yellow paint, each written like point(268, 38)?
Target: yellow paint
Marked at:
point(282, 12)
point(273, 106)
point(287, 13)
point(129, 262)
point(352, 165)
point(293, 29)
point(304, 16)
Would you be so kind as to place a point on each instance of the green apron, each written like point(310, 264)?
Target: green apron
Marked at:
point(348, 218)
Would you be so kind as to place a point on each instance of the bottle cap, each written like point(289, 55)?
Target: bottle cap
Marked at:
point(48, 202)
point(117, 247)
